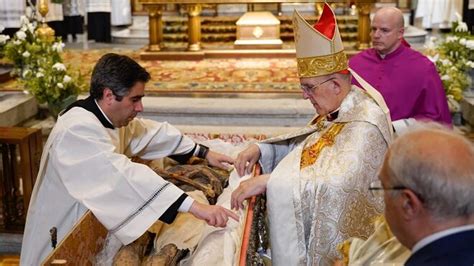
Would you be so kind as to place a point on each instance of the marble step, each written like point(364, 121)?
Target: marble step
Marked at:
point(225, 112)
point(16, 107)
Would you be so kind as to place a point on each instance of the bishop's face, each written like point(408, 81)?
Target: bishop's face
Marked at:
point(320, 91)
point(124, 111)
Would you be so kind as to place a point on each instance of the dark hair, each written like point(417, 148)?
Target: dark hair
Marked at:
point(119, 73)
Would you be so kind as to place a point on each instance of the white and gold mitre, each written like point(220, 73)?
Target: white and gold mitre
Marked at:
point(319, 49)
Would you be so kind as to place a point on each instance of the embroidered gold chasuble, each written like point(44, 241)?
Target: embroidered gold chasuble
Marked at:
point(317, 194)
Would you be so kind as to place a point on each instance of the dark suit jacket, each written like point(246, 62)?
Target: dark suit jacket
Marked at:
point(456, 249)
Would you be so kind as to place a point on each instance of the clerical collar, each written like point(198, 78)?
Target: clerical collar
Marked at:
point(329, 117)
point(100, 109)
point(333, 115)
point(91, 105)
point(393, 53)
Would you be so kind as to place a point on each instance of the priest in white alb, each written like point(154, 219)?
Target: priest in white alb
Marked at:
point(316, 179)
point(86, 165)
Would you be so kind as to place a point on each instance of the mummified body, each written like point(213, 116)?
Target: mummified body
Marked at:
point(196, 175)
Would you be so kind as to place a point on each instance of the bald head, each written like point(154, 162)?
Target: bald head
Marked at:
point(387, 30)
point(445, 147)
point(438, 164)
point(392, 14)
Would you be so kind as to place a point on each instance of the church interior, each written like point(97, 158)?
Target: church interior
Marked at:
point(223, 72)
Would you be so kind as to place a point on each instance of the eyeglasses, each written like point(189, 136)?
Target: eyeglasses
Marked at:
point(309, 90)
point(376, 189)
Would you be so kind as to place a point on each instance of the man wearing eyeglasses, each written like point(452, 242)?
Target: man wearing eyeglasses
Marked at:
point(427, 180)
point(316, 178)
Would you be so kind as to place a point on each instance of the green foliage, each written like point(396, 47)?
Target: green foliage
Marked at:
point(454, 57)
point(39, 66)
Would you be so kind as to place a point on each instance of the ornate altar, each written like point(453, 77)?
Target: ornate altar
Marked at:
point(194, 29)
point(258, 30)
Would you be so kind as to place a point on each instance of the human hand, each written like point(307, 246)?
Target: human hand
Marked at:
point(248, 188)
point(247, 159)
point(213, 215)
point(219, 160)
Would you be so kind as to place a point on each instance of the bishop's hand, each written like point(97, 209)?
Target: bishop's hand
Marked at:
point(248, 188)
point(247, 159)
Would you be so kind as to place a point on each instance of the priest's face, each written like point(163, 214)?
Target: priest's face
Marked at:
point(320, 91)
point(386, 33)
point(124, 111)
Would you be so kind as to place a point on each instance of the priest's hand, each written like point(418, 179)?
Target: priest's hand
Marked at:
point(213, 215)
point(248, 188)
point(219, 160)
point(247, 159)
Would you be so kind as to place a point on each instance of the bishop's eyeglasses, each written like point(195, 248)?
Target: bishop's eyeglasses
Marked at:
point(376, 189)
point(311, 89)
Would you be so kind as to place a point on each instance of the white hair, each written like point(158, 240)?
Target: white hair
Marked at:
point(440, 172)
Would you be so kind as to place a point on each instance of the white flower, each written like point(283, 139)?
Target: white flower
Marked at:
point(26, 54)
point(458, 17)
point(470, 44)
point(21, 35)
point(60, 85)
point(4, 38)
point(59, 67)
point(463, 41)
point(470, 64)
point(445, 62)
point(445, 77)
point(31, 27)
point(462, 27)
point(66, 79)
point(39, 74)
point(24, 20)
point(16, 42)
point(451, 38)
point(58, 47)
point(25, 73)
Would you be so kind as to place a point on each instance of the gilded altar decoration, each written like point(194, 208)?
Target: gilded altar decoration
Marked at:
point(45, 32)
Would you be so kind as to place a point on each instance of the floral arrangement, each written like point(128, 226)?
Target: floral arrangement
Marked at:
point(39, 66)
point(454, 58)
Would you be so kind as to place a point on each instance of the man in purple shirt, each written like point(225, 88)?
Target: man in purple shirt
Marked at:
point(407, 80)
